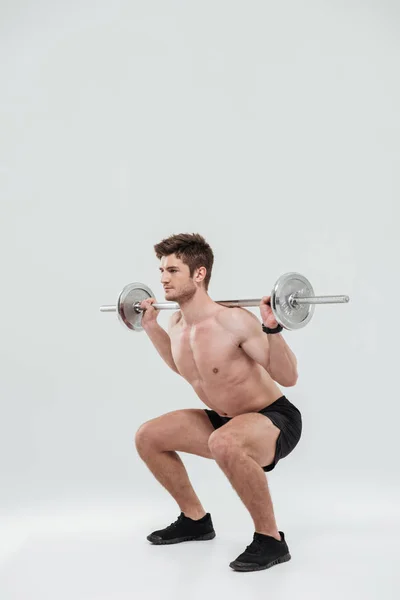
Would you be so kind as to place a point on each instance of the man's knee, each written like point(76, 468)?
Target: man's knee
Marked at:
point(223, 445)
point(145, 438)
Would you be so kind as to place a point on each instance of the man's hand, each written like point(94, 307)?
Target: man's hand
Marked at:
point(267, 315)
point(150, 314)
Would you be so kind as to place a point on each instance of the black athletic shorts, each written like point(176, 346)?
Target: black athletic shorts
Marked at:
point(284, 415)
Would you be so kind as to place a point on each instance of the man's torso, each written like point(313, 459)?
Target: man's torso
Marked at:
point(224, 377)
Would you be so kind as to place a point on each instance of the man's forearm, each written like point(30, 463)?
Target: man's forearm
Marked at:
point(162, 343)
point(282, 361)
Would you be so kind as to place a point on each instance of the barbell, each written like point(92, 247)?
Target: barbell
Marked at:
point(292, 302)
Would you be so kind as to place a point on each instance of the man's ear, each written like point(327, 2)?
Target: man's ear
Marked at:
point(200, 275)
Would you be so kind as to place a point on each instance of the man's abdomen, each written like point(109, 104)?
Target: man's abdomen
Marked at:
point(233, 396)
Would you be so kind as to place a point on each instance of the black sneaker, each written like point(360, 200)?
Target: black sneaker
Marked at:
point(184, 529)
point(264, 552)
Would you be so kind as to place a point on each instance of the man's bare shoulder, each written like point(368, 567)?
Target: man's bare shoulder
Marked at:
point(238, 320)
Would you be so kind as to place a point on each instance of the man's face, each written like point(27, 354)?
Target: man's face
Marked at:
point(176, 280)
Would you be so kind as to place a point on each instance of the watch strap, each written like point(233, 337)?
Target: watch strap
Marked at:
point(277, 329)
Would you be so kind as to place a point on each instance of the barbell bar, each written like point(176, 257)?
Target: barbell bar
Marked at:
point(292, 301)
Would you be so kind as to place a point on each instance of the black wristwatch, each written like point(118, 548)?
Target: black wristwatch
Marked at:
point(277, 329)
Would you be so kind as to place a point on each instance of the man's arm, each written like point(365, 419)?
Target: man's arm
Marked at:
point(161, 342)
point(270, 351)
point(282, 361)
point(247, 331)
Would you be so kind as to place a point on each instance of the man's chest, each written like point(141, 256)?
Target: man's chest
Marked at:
point(204, 349)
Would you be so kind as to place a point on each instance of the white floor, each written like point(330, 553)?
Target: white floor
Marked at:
point(81, 553)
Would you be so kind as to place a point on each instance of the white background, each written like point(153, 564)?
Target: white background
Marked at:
point(273, 130)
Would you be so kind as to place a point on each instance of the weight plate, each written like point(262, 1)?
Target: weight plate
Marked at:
point(132, 293)
point(292, 316)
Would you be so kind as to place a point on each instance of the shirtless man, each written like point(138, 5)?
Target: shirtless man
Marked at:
point(234, 367)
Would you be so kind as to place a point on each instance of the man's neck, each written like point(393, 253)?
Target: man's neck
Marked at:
point(197, 309)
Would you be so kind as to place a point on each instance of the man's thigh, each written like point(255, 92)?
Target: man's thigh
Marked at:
point(185, 430)
point(252, 432)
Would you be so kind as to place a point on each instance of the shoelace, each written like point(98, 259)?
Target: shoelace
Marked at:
point(175, 523)
point(255, 547)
